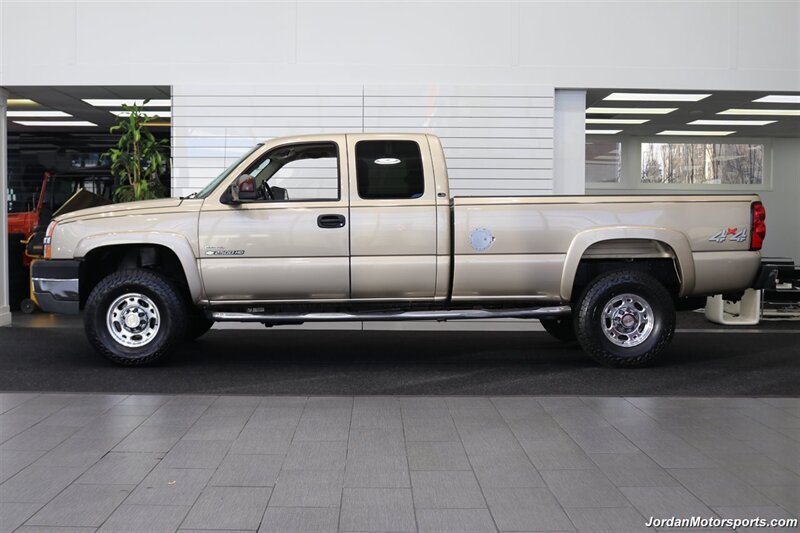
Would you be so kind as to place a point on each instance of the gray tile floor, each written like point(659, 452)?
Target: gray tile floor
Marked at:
point(95, 462)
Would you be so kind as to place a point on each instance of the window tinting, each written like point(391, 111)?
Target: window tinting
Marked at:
point(389, 170)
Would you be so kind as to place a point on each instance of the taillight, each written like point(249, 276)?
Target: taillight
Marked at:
point(47, 249)
point(758, 227)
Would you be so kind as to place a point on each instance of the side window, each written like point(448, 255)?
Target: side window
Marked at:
point(308, 171)
point(389, 170)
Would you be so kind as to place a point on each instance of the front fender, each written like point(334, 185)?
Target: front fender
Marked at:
point(174, 241)
point(675, 240)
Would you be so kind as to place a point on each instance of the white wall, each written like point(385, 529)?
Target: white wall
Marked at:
point(711, 44)
point(497, 139)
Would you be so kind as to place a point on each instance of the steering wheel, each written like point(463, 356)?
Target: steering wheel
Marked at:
point(266, 190)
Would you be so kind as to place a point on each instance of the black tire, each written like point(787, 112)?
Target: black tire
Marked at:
point(165, 297)
point(562, 328)
point(27, 306)
point(591, 322)
point(198, 324)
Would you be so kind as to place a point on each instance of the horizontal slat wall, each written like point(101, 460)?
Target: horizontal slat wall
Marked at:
point(213, 125)
point(498, 139)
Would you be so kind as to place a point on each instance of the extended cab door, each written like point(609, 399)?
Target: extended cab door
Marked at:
point(393, 218)
point(289, 240)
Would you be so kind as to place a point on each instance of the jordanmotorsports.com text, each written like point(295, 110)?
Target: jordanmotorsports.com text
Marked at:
point(713, 522)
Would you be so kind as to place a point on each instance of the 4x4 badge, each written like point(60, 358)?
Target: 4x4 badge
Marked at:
point(729, 234)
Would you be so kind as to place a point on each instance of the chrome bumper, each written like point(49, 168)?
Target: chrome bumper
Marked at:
point(56, 285)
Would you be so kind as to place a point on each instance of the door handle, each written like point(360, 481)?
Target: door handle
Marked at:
point(330, 221)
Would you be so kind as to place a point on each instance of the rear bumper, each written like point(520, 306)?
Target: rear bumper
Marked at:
point(56, 285)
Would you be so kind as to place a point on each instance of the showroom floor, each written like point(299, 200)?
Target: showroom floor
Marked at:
point(281, 463)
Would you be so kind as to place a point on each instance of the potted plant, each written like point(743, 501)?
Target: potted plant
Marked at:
point(138, 160)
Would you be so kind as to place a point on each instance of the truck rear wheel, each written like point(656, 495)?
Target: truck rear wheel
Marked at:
point(625, 319)
point(562, 328)
point(135, 317)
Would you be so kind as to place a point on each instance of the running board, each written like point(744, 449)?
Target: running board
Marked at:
point(454, 314)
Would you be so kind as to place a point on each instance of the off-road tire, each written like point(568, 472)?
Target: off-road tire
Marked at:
point(562, 328)
point(589, 325)
point(198, 324)
point(166, 297)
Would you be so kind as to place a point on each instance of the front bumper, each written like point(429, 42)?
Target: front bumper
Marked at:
point(56, 285)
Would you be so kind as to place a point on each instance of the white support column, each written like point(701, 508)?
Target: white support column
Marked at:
point(569, 142)
point(5, 310)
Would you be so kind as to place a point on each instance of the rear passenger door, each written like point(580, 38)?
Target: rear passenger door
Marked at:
point(392, 217)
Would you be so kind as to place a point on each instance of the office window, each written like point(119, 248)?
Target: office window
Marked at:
point(703, 163)
point(389, 170)
point(603, 162)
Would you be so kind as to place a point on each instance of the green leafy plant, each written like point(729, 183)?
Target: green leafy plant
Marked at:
point(139, 158)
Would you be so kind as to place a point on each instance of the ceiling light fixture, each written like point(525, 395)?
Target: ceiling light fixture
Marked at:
point(118, 102)
point(602, 132)
point(630, 110)
point(148, 112)
point(655, 97)
point(695, 133)
point(731, 122)
point(55, 123)
point(779, 99)
point(761, 112)
point(617, 120)
point(40, 114)
point(13, 102)
point(157, 124)
point(387, 161)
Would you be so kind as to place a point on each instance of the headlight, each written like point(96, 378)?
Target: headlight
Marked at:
point(47, 250)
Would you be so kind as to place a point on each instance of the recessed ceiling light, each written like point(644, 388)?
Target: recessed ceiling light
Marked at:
point(118, 102)
point(617, 120)
point(387, 161)
point(779, 99)
point(630, 110)
point(40, 114)
point(761, 112)
point(602, 132)
point(731, 122)
point(148, 112)
point(21, 102)
point(157, 123)
point(606, 157)
point(56, 123)
point(696, 133)
point(655, 97)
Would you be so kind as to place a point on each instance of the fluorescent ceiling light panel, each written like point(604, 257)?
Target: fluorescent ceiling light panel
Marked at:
point(148, 112)
point(630, 110)
point(762, 112)
point(21, 102)
point(779, 99)
point(602, 132)
point(154, 124)
point(118, 102)
point(40, 114)
point(695, 133)
point(731, 122)
point(655, 97)
point(617, 120)
point(55, 123)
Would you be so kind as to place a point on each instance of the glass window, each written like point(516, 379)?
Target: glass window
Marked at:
point(603, 162)
point(703, 164)
point(308, 171)
point(389, 170)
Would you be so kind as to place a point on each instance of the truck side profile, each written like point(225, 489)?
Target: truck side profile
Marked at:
point(364, 227)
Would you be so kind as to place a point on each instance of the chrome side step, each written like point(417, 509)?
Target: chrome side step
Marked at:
point(454, 314)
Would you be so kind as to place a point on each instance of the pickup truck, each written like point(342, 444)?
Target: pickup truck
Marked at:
point(362, 227)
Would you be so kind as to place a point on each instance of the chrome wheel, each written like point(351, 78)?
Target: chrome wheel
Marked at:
point(627, 320)
point(133, 320)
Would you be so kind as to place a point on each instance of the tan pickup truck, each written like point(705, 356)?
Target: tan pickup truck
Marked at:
point(363, 227)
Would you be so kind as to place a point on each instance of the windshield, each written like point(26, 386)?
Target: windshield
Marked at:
point(225, 173)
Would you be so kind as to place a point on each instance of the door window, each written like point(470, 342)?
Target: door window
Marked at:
point(389, 170)
point(308, 171)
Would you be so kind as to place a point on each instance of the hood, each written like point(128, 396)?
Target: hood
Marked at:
point(123, 209)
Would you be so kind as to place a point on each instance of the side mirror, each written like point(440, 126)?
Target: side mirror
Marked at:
point(242, 189)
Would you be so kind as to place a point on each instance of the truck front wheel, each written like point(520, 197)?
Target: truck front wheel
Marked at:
point(135, 317)
point(625, 319)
